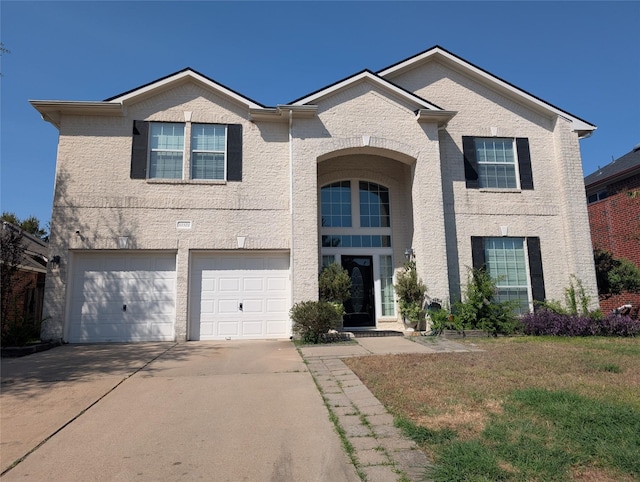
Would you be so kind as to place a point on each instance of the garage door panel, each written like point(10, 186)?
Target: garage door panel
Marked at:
point(207, 307)
point(252, 328)
point(228, 306)
point(253, 284)
point(277, 306)
point(103, 283)
point(252, 306)
point(259, 281)
point(276, 327)
point(277, 284)
point(229, 284)
point(228, 328)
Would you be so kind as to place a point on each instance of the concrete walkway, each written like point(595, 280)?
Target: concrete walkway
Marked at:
point(223, 411)
point(382, 453)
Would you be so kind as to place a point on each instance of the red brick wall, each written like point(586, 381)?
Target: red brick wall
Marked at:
point(615, 227)
point(28, 289)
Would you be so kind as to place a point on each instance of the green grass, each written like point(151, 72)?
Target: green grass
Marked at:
point(539, 435)
point(524, 409)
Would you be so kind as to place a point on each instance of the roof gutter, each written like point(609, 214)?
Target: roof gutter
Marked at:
point(53, 110)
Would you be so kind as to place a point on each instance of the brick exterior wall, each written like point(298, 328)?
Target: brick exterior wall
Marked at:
point(361, 132)
point(615, 227)
point(28, 294)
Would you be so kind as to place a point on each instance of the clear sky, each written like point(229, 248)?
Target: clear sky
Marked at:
point(583, 57)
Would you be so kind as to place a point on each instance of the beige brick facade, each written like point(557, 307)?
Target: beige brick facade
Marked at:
point(364, 130)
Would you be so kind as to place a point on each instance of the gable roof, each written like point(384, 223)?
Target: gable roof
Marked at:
point(179, 77)
point(52, 110)
point(582, 127)
point(626, 165)
point(363, 76)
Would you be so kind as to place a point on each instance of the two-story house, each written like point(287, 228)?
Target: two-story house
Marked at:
point(184, 210)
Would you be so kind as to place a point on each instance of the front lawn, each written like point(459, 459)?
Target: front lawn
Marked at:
point(526, 408)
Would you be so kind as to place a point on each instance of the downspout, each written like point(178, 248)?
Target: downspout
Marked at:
point(291, 237)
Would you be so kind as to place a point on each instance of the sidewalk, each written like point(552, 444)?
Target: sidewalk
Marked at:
point(382, 452)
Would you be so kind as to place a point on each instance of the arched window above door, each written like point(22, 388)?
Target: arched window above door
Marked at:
point(338, 198)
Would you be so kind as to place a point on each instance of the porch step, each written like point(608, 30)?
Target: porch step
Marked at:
point(372, 333)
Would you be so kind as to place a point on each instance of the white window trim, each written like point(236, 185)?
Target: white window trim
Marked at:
point(150, 150)
point(225, 152)
point(525, 250)
point(187, 155)
point(516, 162)
point(355, 229)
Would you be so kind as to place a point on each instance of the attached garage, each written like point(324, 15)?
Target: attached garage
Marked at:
point(122, 297)
point(239, 296)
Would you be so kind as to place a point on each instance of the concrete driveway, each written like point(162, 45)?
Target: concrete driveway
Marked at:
point(223, 411)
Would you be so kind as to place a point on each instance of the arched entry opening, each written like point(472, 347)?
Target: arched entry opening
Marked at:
point(365, 224)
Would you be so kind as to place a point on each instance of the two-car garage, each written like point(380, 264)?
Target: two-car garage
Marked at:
point(130, 296)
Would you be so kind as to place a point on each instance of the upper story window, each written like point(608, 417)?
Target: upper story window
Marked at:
point(497, 163)
point(371, 205)
point(165, 150)
point(374, 206)
point(598, 196)
point(335, 201)
point(208, 151)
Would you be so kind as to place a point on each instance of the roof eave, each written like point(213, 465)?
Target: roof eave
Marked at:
point(440, 117)
point(281, 113)
point(52, 110)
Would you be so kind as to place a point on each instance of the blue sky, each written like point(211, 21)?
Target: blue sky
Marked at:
point(583, 57)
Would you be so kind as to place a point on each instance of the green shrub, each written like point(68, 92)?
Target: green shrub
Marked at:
point(334, 284)
point(311, 319)
point(576, 302)
point(480, 309)
point(411, 293)
point(20, 331)
point(442, 319)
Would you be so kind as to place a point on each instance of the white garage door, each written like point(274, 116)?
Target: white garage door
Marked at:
point(120, 297)
point(240, 296)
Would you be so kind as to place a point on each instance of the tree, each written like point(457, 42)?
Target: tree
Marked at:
point(11, 249)
point(29, 225)
point(615, 275)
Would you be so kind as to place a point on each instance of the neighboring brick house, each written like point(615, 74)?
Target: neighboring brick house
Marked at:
point(184, 210)
point(27, 284)
point(613, 196)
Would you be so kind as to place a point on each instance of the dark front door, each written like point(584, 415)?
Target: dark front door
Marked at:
point(359, 309)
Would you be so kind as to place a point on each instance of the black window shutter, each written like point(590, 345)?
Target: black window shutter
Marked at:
point(139, 150)
point(477, 252)
point(524, 163)
point(470, 162)
point(234, 152)
point(535, 268)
